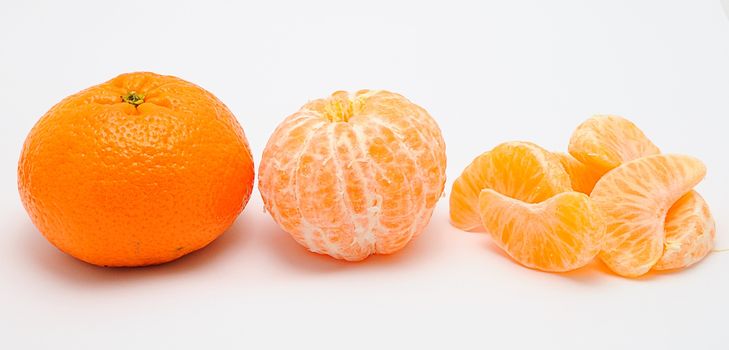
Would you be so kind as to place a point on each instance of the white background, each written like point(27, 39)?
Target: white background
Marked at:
point(487, 71)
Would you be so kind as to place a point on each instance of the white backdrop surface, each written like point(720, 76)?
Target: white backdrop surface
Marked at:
point(488, 71)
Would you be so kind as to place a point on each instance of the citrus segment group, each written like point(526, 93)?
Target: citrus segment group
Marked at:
point(520, 170)
point(635, 198)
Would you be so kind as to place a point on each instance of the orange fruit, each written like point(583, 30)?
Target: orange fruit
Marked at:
point(582, 177)
point(520, 170)
point(604, 142)
point(635, 198)
point(354, 174)
point(136, 171)
point(560, 234)
point(690, 232)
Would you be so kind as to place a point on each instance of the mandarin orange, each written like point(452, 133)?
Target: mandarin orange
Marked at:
point(353, 175)
point(139, 170)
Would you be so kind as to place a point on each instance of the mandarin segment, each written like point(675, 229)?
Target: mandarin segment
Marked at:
point(604, 142)
point(354, 174)
point(560, 234)
point(635, 198)
point(582, 177)
point(690, 231)
point(520, 170)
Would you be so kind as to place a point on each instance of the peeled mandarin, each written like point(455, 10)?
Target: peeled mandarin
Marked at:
point(353, 175)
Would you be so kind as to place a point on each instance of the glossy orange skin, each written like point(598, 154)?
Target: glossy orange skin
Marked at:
point(115, 184)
